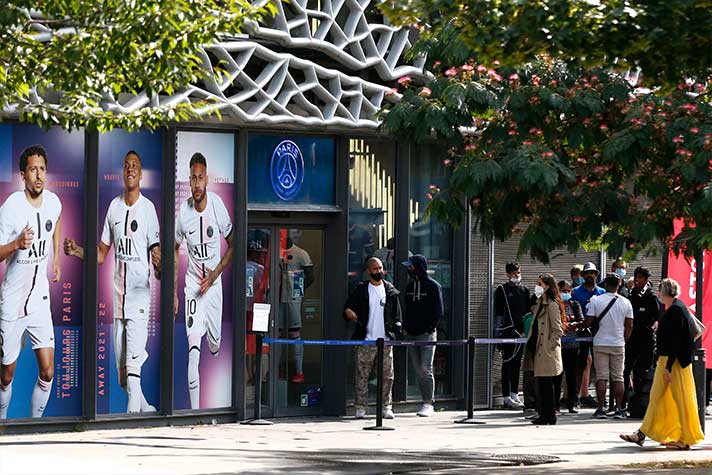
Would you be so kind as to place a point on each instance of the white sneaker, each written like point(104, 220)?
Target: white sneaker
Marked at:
point(708, 411)
point(426, 411)
point(511, 403)
point(360, 413)
point(515, 398)
point(388, 413)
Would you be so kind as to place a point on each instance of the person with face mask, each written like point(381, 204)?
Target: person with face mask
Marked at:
point(375, 309)
point(512, 301)
point(620, 268)
point(569, 349)
point(544, 346)
point(583, 294)
point(576, 278)
point(423, 311)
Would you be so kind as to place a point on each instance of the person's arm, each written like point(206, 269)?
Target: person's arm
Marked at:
point(557, 328)
point(674, 335)
point(23, 241)
point(308, 276)
point(349, 313)
point(439, 309)
point(56, 242)
point(499, 307)
point(628, 328)
point(176, 248)
point(211, 275)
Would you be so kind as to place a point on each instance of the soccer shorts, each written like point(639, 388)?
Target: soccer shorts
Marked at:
point(39, 328)
point(203, 314)
point(291, 314)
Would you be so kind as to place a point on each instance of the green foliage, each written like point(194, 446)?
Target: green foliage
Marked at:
point(571, 152)
point(82, 53)
point(667, 39)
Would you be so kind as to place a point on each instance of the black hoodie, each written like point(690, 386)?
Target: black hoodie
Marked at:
point(423, 300)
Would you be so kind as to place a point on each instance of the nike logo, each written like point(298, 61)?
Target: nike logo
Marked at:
point(117, 223)
point(133, 357)
point(191, 232)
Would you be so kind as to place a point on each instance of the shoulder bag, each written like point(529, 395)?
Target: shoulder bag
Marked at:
point(597, 320)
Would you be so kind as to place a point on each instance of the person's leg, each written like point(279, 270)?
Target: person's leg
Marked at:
point(507, 357)
point(569, 357)
point(414, 354)
point(545, 387)
point(515, 369)
point(11, 333)
point(388, 377)
point(556, 383)
point(427, 379)
point(194, 328)
point(363, 362)
point(529, 386)
point(601, 360)
point(136, 356)
point(295, 329)
point(617, 362)
point(41, 392)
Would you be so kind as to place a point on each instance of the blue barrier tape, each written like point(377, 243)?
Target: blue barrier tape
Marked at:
point(284, 341)
point(478, 341)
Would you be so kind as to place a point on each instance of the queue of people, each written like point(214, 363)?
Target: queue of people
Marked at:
point(629, 326)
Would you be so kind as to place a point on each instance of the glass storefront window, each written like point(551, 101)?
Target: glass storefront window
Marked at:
point(433, 239)
point(372, 214)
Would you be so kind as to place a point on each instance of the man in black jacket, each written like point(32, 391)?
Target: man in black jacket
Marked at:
point(374, 307)
point(423, 311)
point(640, 347)
point(512, 301)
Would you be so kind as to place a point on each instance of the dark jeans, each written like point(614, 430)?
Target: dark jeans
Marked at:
point(545, 393)
point(569, 357)
point(529, 387)
point(511, 364)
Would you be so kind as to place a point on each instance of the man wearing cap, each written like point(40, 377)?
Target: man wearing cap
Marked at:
point(613, 315)
point(640, 348)
point(583, 294)
point(423, 311)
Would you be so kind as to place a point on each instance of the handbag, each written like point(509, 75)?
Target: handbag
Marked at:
point(597, 320)
point(502, 330)
point(697, 328)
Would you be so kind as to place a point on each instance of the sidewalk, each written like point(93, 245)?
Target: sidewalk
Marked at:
point(418, 445)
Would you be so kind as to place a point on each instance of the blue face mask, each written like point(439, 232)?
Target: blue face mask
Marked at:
point(620, 272)
point(578, 280)
point(565, 297)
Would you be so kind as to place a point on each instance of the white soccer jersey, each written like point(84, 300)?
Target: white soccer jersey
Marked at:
point(25, 287)
point(294, 261)
point(202, 232)
point(134, 231)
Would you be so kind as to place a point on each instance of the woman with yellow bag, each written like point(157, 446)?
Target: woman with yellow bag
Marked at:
point(671, 418)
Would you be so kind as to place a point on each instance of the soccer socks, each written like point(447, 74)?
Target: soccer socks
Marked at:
point(40, 396)
point(298, 358)
point(194, 377)
point(5, 396)
point(133, 388)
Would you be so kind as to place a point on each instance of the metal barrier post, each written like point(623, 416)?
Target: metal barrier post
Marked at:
point(470, 381)
point(258, 421)
point(699, 373)
point(379, 388)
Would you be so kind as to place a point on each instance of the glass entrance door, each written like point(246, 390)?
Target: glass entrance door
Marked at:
point(291, 281)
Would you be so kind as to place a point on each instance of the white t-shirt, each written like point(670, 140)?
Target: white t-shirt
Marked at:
point(611, 329)
point(25, 288)
point(376, 302)
point(202, 232)
point(134, 231)
point(296, 260)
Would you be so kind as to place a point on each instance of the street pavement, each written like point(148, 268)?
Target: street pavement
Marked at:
point(506, 443)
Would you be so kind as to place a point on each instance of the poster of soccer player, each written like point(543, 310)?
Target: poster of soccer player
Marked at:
point(41, 195)
point(203, 246)
point(128, 343)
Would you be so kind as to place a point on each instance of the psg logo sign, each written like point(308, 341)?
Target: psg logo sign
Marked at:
point(286, 170)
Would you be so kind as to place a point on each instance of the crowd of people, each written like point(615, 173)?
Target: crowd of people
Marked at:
point(630, 324)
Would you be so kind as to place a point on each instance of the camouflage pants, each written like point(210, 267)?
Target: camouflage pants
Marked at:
point(365, 361)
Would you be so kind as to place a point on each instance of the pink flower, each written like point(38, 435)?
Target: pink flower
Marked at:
point(481, 69)
point(429, 196)
point(437, 64)
point(603, 127)
point(527, 142)
point(451, 72)
point(535, 80)
point(425, 92)
point(479, 122)
point(405, 80)
point(496, 62)
point(678, 139)
point(514, 77)
point(694, 130)
point(447, 162)
point(512, 132)
point(467, 67)
point(391, 91)
point(470, 146)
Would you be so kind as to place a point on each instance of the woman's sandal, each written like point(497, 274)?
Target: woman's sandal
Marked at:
point(677, 445)
point(635, 438)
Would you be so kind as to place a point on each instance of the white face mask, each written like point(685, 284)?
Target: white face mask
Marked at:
point(515, 280)
point(538, 291)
